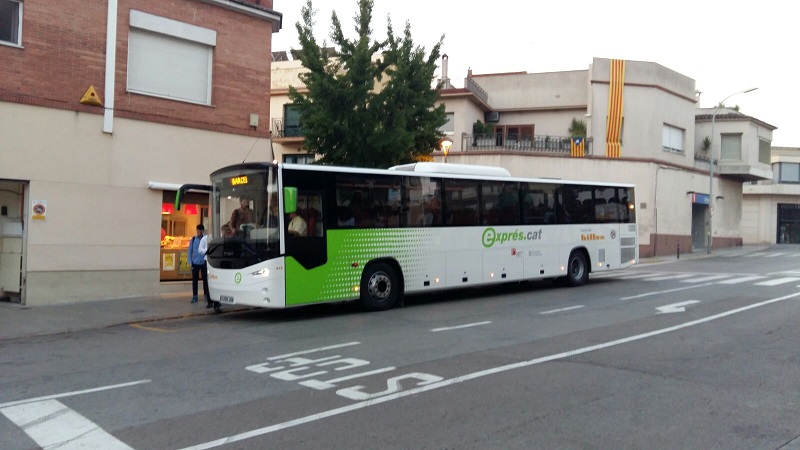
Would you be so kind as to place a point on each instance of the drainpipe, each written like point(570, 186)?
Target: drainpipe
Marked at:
point(111, 57)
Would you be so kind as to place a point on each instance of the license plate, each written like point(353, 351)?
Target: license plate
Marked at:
point(225, 299)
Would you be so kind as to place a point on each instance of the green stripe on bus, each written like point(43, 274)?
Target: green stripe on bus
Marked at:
point(348, 252)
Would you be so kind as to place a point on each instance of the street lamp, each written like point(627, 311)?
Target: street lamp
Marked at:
point(445, 144)
point(711, 167)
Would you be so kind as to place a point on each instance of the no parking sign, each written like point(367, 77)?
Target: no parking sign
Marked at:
point(39, 209)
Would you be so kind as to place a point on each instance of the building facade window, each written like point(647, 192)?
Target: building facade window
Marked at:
point(449, 126)
point(170, 59)
point(789, 173)
point(291, 121)
point(298, 159)
point(764, 151)
point(731, 147)
point(11, 22)
point(672, 139)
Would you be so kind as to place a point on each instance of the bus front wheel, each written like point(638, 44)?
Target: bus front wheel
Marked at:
point(577, 269)
point(380, 287)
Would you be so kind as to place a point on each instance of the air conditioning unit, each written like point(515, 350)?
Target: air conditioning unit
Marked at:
point(492, 116)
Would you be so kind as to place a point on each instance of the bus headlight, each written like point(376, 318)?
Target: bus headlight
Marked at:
point(261, 273)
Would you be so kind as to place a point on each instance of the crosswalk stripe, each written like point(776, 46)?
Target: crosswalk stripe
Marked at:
point(773, 255)
point(703, 279)
point(671, 277)
point(638, 275)
point(53, 425)
point(741, 279)
point(777, 281)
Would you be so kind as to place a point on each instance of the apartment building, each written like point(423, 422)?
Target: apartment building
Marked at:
point(108, 107)
point(771, 208)
point(643, 126)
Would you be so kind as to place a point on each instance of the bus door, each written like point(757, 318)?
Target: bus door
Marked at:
point(304, 228)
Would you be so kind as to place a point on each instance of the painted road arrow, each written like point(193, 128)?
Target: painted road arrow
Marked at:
point(676, 307)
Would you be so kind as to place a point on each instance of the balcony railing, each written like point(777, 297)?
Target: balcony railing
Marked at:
point(281, 130)
point(473, 87)
point(553, 145)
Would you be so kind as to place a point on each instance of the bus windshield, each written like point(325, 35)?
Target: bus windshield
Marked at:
point(245, 215)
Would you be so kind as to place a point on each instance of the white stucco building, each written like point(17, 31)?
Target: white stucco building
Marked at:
point(771, 208)
point(643, 126)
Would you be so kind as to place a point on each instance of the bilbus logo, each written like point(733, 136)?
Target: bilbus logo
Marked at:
point(592, 237)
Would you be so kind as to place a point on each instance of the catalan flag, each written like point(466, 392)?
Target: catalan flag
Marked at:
point(614, 124)
point(577, 146)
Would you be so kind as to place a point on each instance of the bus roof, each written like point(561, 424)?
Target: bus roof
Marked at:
point(454, 169)
point(424, 169)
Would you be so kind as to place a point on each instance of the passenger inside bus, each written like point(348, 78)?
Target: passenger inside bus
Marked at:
point(269, 216)
point(241, 216)
point(297, 225)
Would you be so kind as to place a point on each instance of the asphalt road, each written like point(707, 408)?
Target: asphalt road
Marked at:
point(692, 354)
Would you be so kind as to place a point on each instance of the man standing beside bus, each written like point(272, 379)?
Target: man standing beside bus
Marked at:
point(197, 258)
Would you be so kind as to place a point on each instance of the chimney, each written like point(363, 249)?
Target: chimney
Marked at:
point(445, 77)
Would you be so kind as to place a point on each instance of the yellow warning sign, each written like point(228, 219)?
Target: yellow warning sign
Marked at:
point(91, 97)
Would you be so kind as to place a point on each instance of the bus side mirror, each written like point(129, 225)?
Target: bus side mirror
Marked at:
point(289, 200)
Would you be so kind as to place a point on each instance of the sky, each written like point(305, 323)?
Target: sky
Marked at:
point(725, 47)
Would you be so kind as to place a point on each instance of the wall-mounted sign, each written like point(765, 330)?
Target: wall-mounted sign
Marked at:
point(700, 199)
point(39, 209)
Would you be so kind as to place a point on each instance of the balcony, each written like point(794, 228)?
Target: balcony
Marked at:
point(283, 132)
point(546, 145)
point(737, 170)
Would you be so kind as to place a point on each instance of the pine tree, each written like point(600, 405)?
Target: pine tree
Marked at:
point(365, 108)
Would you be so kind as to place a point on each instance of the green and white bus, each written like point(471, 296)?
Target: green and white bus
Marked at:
point(373, 235)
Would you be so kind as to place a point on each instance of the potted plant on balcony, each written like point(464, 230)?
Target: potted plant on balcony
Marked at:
point(706, 144)
point(577, 130)
point(482, 134)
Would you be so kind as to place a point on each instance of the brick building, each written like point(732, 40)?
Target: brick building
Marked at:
point(108, 106)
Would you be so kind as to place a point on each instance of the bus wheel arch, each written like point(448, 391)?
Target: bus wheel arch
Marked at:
point(381, 285)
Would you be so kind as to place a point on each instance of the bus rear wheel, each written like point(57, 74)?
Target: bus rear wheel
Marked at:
point(577, 269)
point(380, 287)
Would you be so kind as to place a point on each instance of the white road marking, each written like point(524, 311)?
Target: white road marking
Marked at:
point(52, 425)
point(671, 277)
point(313, 350)
point(676, 307)
point(753, 255)
point(777, 281)
point(327, 384)
point(457, 327)
point(785, 272)
point(741, 279)
point(638, 275)
point(561, 310)
point(772, 255)
point(73, 393)
point(704, 279)
point(647, 294)
point(606, 274)
point(475, 375)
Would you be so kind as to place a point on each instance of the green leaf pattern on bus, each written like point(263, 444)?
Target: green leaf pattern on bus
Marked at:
point(348, 252)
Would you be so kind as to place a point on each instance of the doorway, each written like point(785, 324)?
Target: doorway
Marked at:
point(699, 220)
point(12, 240)
point(788, 224)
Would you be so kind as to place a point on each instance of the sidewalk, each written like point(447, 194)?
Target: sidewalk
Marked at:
point(19, 321)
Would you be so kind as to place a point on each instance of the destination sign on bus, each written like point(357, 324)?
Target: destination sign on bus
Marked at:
point(239, 181)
